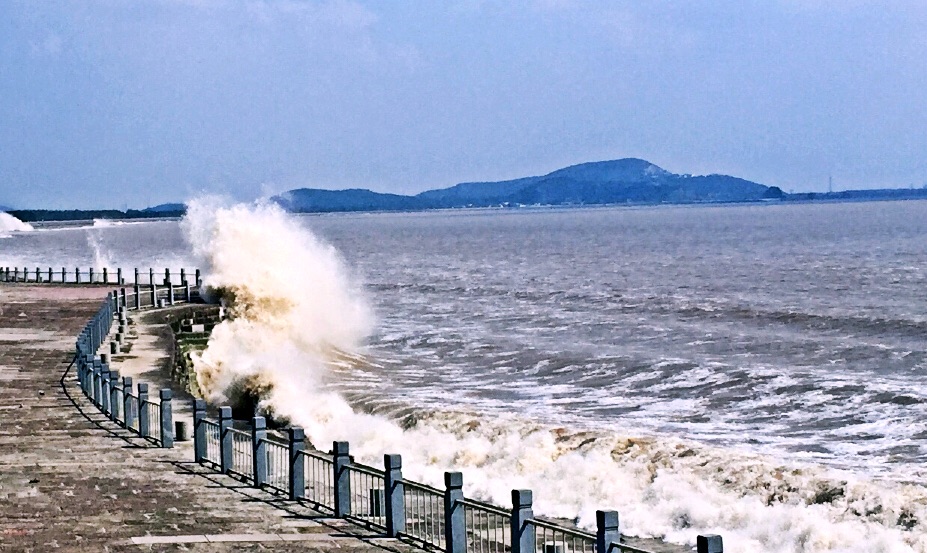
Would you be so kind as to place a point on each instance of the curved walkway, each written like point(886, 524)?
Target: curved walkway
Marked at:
point(71, 480)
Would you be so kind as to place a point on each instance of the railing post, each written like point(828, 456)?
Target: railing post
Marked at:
point(342, 479)
point(225, 439)
point(154, 295)
point(151, 276)
point(606, 530)
point(259, 451)
point(710, 543)
point(144, 425)
point(199, 430)
point(170, 293)
point(105, 275)
point(523, 539)
point(122, 298)
point(198, 279)
point(186, 292)
point(77, 275)
point(91, 275)
point(119, 276)
point(104, 388)
point(115, 384)
point(297, 465)
point(136, 276)
point(455, 524)
point(183, 276)
point(128, 410)
point(395, 498)
point(167, 418)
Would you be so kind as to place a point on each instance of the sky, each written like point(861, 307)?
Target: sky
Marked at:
point(116, 103)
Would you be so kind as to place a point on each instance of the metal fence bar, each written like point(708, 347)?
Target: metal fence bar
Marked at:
point(487, 527)
point(368, 495)
point(424, 513)
point(319, 475)
point(242, 454)
point(278, 465)
point(213, 441)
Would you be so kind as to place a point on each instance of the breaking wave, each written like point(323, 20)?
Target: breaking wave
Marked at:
point(299, 315)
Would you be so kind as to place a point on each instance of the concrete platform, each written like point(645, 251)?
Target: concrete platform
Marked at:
point(71, 480)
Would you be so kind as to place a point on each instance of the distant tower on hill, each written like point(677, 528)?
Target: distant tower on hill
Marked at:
point(830, 184)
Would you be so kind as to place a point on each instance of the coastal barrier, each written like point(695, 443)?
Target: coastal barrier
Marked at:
point(131, 407)
point(382, 499)
point(284, 463)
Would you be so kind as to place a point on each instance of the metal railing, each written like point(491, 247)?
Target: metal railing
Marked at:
point(368, 495)
point(213, 438)
point(154, 417)
point(102, 275)
point(278, 465)
point(242, 453)
point(131, 416)
point(319, 479)
point(552, 538)
point(488, 527)
point(424, 511)
point(428, 517)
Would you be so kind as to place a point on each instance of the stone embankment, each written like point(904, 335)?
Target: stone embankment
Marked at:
point(72, 480)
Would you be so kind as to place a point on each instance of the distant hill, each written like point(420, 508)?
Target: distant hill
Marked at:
point(314, 200)
point(627, 180)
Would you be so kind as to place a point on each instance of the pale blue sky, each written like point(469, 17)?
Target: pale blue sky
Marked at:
point(114, 103)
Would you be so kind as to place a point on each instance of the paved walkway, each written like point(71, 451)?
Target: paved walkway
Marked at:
point(70, 480)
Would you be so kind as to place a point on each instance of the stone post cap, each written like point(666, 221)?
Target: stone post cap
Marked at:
point(258, 423)
point(225, 412)
point(392, 461)
point(127, 381)
point(453, 480)
point(522, 498)
point(166, 394)
point(296, 433)
point(199, 404)
point(606, 520)
point(142, 388)
point(340, 448)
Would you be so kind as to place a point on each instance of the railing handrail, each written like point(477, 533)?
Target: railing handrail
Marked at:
point(487, 507)
point(366, 469)
point(422, 487)
point(572, 532)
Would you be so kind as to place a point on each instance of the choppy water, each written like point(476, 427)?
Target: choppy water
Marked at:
point(799, 330)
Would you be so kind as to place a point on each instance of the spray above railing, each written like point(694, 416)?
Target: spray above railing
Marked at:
point(433, 518)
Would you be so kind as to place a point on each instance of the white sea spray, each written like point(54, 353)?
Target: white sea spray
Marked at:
point(298, 311)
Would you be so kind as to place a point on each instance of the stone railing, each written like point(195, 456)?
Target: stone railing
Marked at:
point(124, 402)
point(383, 499)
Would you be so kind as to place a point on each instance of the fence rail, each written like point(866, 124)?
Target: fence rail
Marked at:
point(102, 275)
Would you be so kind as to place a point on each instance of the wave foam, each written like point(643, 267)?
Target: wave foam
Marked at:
point(298, 314)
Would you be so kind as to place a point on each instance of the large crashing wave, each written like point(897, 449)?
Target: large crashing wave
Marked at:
point(299, 313)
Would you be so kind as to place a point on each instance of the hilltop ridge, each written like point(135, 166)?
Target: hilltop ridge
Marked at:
point(628, 180)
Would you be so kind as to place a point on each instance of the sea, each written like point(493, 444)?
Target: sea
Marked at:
point(757, 371)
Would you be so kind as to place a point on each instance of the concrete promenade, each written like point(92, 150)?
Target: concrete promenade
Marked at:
point(71, 480)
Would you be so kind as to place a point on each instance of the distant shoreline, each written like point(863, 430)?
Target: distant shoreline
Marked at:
point(71, 217)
